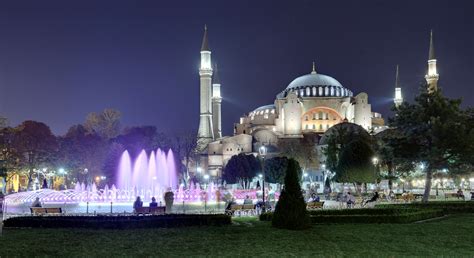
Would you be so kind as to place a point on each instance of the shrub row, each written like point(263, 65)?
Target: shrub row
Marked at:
point(447, 207)
point(382, 215)
point(365, 218)
point(119, 222)
point(381, 211)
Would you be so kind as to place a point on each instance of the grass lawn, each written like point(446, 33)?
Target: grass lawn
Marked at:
point(453, 236)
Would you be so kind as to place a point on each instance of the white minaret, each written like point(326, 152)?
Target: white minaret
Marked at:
point(205, 133)
point(398, 100)
point(432, 76)
point(216, 104)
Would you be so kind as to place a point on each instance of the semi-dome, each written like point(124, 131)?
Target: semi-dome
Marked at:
point(316, 85)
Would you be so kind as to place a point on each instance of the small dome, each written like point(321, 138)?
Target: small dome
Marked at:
point(316, 85)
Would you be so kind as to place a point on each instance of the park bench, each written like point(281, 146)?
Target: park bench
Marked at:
point(314, 205)
point(43, 211)
point(452, 195)
point(160, 210)
point(241, 209)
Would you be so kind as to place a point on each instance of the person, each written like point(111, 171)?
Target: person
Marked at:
point(374, 198)
point(350, 200)
point(36, 203)
point(460, 194)
point(247, 200)
point(315, 197)
point(153, 202)
point(138, 203)
point(228, 208)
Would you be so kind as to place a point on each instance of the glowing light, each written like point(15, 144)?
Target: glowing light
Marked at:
point(206, 177)
point(199, 169)
point(305, 174)
point(260, 175)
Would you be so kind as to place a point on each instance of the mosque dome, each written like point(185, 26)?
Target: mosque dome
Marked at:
point(316, 85)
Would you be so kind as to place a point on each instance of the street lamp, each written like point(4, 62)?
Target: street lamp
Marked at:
point(199, 170)
point(263, 151)
point(375, 161)
point(206, 177)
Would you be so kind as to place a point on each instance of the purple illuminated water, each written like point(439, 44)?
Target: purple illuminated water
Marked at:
point(155, 172)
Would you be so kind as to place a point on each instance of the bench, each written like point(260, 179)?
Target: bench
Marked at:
point(240, 208)
point(314, 205)
point(42, 211)
point(160, 210)
point(453, 195)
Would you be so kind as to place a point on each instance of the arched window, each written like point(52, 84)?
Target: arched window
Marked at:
point(326, 91)
point(305, 118)
point(320, 126)
point(314, 126)
point(314, 91)
point(320, 89)
point(308, 91)
point(306, 127)
point(332, 91)
point(302, 92)
point(320, 114)
point(338, 92)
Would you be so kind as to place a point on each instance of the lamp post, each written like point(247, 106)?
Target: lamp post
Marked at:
point(263, 151)
point(375, 161)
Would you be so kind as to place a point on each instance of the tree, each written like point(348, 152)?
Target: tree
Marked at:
point(36, 145)
point(436, 132)
point(241, 169)
point(138, 138)
point(337, 137)
point(112, 160)
point(385, 147)
point(355, 164)
point(302, 150)
point(185, 147)
point(9, 156)
point(275, 169)
point(83, 153)
point(290, 211)
point(106, 124)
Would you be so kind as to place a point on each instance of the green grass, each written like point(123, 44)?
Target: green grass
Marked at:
point(452, 236)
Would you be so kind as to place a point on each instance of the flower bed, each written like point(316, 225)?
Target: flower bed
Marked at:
point(119, 222)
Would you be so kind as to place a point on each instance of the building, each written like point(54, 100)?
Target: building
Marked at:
point(310, 104)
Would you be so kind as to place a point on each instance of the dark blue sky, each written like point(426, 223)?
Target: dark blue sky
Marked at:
point(60, 60)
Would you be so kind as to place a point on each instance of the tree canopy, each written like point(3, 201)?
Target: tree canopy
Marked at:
point(434, 131)
point(241, 168)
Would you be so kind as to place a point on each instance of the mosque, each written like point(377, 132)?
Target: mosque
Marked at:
point(310, 104)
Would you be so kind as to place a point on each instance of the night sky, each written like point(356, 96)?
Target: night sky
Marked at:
point(60, 60)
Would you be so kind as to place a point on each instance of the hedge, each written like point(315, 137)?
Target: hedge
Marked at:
point(381, 211)
point(119, 222)
point(448, 207)
point(365, 218)
point(382, 215)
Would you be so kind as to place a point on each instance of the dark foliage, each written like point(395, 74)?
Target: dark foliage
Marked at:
point(119, 222)
point(355, 163)
point(275, 169)
point(241, 169)
point(290, 211)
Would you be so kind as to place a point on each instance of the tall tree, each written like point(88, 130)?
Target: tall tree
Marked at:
point(83, 151)
point(241, 168)
point(355, 164)
point(9, 156)
point(275, 169)
point(302, 150)
point(37, 146)
point(185, 146)
point(436, 132)
point(106, 123)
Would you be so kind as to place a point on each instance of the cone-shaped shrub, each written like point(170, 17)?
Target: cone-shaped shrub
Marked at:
point(290, 211)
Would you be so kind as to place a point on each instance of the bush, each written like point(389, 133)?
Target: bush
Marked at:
point(118, 222)
point(407, 217)
point(266, 216)
point(290, 211)
point(382, 211)
point(448, 207)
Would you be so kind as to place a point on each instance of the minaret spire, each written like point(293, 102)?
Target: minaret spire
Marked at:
point(431, 55)
point(398, 100)
point(205, 41)
point(432, 76)
point(314, 69)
